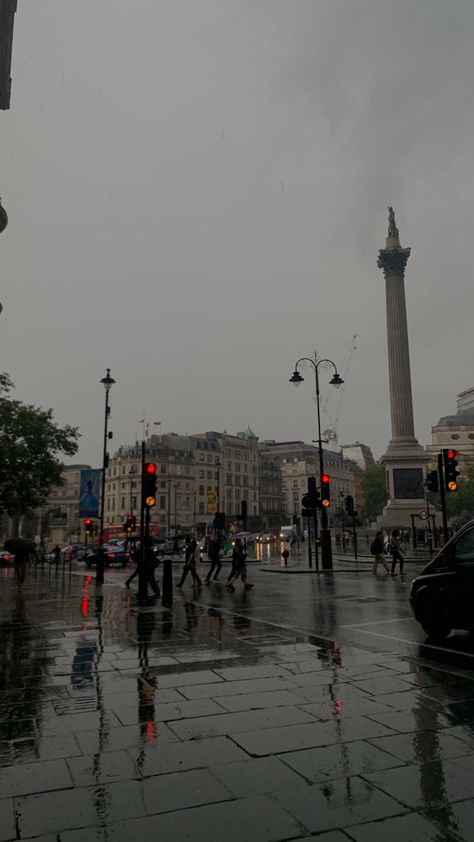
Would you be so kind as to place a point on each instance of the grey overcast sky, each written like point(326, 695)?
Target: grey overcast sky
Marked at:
point(197, 193)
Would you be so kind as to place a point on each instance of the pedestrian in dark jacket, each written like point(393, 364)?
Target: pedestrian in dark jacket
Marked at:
point(214, 553)
point(395, 552)
point(193, 556)
point(239, 566)
point(377, 549)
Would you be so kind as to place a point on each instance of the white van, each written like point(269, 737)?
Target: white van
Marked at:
point(286, 532)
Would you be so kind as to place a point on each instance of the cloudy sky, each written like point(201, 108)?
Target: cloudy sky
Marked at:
point(197, 192)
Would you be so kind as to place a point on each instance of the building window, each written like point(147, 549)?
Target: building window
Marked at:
point(470, 435)
point(123, 503)
point(455, 436)
point(201, 457)
point(162, 484)
point(163, 502)
point(201, 491)
point(134, 502)
point(163, 469)
point(209, 475)
point(201, 474)
point(216, 475)
point(201, 508)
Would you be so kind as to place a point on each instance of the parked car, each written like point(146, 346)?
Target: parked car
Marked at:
point(113, 557)
point(441, 596)
point(6, 559)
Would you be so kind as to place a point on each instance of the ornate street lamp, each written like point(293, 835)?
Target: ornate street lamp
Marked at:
point(3, 218)
point(336, 381)
point(107, 382)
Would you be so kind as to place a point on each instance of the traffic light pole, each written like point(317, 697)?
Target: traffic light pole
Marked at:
point(142, 577)
point(326, 548)
point(442, 494)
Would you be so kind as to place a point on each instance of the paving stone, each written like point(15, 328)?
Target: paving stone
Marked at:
point(254, 701)
point(186, 679)
point(425, 745)
point(405, 722)
point(245, 673)
point(330, 762)
point(409, 828)
point(130, 697)
point(337, 804)
point(383, 685)
point(232, 688)
point(102, 768)
point(257, 776)
point(426, 784)
point(77, 808)
point(7, 819)
point(13, 729)
point(75, 723)
point(340, 708)
point(296, 737)
point(185, 708)
point(115, 739)
point(313, 679)
point(461, 817)
point(232, 723)
point(34, 777)
point(247, 819)
point(181, 790)
point(194, 754)
point(409, 701)
point(330, 836)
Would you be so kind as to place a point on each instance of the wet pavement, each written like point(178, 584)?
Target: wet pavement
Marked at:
point(310, 707)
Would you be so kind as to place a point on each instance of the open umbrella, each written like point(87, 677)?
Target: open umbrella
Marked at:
point(20, 546)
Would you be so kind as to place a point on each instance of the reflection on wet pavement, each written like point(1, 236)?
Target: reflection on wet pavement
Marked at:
point(215, 719)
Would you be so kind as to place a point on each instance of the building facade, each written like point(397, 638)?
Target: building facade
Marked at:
point(455, 431)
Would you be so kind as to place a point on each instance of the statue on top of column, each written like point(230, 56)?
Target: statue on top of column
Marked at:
point(392, 228)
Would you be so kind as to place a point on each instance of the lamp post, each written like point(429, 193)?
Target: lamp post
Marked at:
point(336, 380)
point(107, 382)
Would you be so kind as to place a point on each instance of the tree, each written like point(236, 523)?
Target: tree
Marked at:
point(461, 502)
point(30, 443)
point(374, 490)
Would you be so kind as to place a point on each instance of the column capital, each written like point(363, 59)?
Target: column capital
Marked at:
point(393, 261)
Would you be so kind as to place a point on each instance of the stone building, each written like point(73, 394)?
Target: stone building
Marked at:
point(58, 521)
point(456, 431)
point(298, 461)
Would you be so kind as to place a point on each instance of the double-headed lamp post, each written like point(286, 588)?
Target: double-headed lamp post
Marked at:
point(336, 381)
point(107, 382)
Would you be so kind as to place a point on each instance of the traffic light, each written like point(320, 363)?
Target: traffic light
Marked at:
point(349, 505)
point(130, 524)
point(451, 471)
point(88, 525)
point(325, 490)
point(149, 485)
point(432, 483)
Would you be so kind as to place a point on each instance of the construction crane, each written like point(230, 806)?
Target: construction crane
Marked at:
point(330, 434)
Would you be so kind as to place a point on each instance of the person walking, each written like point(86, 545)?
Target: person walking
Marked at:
point(135, 559)
point(56, 555)
point(395, 551)
point(193, 556)
point(150, 561)
point(239, 567)
point(214, 553)
point(377, 549)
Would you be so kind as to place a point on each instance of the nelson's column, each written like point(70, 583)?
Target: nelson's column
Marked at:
point(404, 458)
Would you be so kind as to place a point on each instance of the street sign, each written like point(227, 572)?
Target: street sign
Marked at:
point(423, 515)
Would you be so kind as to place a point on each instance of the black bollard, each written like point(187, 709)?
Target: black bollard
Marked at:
point(167, 589)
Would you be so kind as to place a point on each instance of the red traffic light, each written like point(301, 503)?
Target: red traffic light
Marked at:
point(150, 468)
point(325, 478)
point(87, 522)
point(451, 454)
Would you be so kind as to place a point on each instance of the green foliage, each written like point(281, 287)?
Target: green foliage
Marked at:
point(30, 442)
point(374, 490)
point(461, 502)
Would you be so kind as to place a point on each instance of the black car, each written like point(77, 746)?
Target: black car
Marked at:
point(441, 597)
point(114, 557)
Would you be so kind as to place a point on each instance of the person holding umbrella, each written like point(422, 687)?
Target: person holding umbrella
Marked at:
point(22, 549)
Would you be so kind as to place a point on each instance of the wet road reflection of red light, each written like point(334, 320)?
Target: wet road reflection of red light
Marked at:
point(150, 732)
